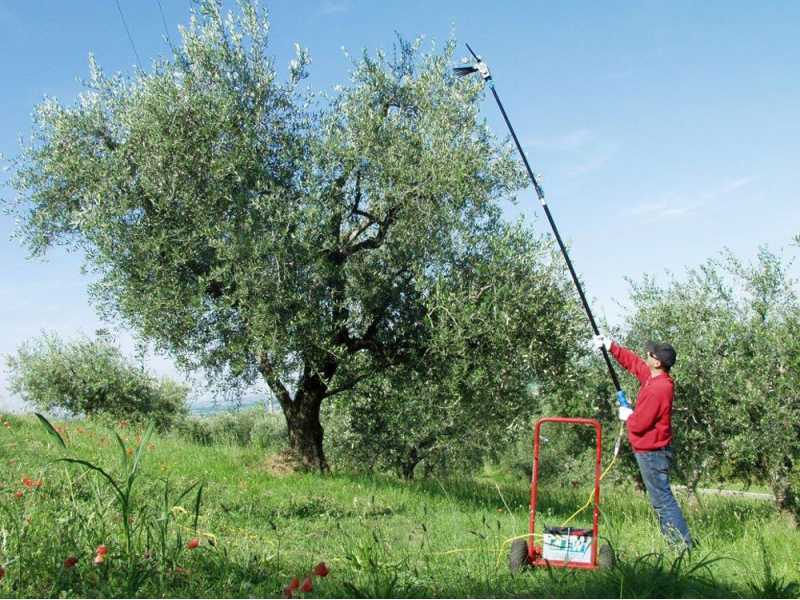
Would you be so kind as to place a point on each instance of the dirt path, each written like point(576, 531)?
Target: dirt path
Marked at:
point(736, 493)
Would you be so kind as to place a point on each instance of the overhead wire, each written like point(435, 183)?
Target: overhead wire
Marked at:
point(164, 22)
point(130, 38)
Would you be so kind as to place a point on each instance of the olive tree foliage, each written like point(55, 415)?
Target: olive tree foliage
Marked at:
point(503, 316)
point(260, 234)
point(737, 397)
point(92, 377)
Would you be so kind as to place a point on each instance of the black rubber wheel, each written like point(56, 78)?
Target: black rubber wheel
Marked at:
point(518, 556)
point(605, 557)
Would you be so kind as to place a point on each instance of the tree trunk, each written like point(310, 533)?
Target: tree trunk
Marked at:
point(692, 483)
point(305, 432)
point(409, 464)
point(786, 502)
point(301, 414)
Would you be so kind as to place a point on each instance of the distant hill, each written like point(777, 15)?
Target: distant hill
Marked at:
point(212, 408)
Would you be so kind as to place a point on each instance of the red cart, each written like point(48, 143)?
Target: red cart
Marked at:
point(565, 547)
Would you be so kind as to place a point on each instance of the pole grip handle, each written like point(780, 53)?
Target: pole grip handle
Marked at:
point(622, 399)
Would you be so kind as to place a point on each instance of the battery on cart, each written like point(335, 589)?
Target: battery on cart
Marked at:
point(567, 544)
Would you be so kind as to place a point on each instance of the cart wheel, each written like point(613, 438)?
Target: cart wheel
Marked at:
point(605, 557)
point(518, 556)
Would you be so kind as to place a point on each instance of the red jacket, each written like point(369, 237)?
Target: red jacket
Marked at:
point(649, 427)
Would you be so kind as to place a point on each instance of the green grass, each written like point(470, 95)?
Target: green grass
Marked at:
point(381, 537)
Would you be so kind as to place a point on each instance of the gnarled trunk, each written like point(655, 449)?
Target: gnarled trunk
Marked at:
point(302, 414)
point(305, 432)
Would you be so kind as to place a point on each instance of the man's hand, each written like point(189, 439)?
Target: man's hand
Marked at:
point(624, 413)
point(601, 341)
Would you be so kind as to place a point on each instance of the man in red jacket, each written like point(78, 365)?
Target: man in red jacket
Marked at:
point(650, 428)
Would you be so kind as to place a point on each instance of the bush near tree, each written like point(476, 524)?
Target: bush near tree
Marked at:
point(92, 377)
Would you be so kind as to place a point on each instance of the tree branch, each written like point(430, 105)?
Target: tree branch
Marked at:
point(377, 241)
point(274, 382)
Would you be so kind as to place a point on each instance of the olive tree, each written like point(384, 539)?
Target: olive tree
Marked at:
point(92, 377)
point(260, 234)
point(737, 409)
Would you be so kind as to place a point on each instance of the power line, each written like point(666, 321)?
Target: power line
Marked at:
point(164, 21)
point(130, 38)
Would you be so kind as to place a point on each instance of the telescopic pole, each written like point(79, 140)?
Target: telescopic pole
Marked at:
point(484, 72)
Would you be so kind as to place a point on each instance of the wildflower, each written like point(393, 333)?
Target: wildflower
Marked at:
point(294, 584)
point(31, 484)
point(130, 451)
point(287, 592)
point(70, 562)
point(99, 559)
point(19, 494)
point(307, 586)
point(101, 550)
point(192, 543)
point(321, 570)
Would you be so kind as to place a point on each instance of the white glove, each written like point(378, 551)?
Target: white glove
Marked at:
point(624, 413)
point(601, 341)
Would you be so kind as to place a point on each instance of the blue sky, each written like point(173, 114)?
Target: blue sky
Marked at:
point(664, 131)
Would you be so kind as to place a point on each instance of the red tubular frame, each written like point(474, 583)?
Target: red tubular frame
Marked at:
point(535, 552)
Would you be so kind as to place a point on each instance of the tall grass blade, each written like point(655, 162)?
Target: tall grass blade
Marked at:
point(197, 505)
point(89, 465)
point(51, 430)
point(185, 492)
point(124, 452)
point(140, 449)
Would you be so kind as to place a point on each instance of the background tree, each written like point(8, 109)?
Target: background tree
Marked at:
point(92, 377)
point(255, 235)
point(737, 409)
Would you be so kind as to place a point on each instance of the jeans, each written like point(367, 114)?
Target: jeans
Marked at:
point(654, 467)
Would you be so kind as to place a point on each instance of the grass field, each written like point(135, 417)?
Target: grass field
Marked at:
point(258, 528)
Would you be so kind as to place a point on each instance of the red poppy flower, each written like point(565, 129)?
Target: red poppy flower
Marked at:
point(307, 586)
point(70, 562)
point(287, 592)
point(19, 494)
point(101, 550)
point(321, 570)
point(99, 559)
point(294, 584)
point(192, 543)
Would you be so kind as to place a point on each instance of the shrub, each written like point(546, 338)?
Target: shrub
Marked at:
point(247, 427)
point(92, 378)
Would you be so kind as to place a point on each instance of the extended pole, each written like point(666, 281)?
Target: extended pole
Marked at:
point(484, 72)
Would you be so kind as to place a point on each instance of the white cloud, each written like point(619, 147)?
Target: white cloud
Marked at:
point(733, 185)
point(570, 140)
point(592, 163)
point(654, 211)
point(332, 7)
point(676, 206)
